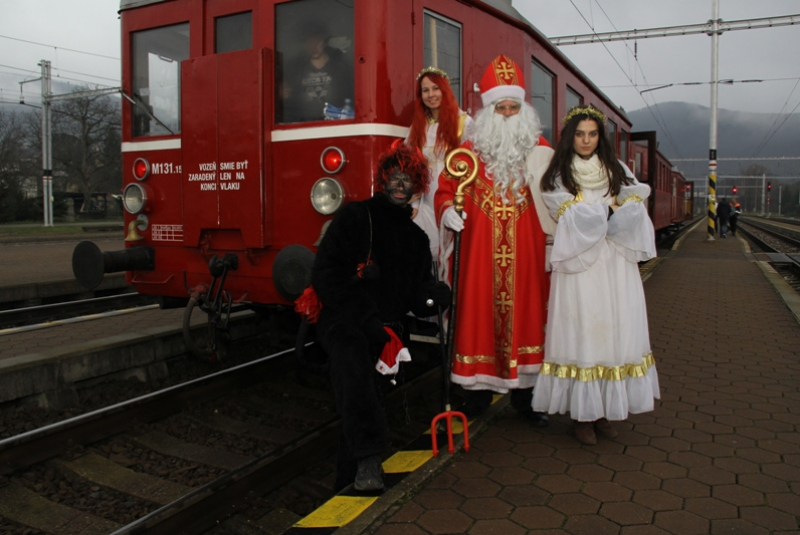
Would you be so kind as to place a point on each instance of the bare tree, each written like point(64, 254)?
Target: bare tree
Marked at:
point(86, 144)
point(15, 164)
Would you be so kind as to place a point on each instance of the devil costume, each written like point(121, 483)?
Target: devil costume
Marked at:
point(372, 268)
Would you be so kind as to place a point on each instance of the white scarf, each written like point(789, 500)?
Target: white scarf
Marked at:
point(589, 174)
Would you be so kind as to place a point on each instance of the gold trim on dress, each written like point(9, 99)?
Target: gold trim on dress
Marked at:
point(564, 206)
point(595, 373)
point(634, 198)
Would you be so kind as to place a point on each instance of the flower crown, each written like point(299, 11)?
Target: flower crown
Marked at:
point(585, 110)
point(433, 70)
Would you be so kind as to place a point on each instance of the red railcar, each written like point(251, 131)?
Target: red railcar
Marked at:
point(670, 202)
point(228, 180)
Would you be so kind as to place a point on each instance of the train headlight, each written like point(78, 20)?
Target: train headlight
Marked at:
point(134, 198)
point(327, 195)
point(332, 160)
point(141, 169)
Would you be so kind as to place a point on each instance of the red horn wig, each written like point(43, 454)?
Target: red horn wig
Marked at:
point(405, 159)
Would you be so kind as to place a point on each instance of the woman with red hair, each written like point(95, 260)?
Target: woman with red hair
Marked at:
point(436, 129)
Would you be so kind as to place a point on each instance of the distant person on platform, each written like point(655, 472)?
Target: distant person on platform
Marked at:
point(325, 76)
point(503, 284)
point(373, 267)
point(724, 215)
point(736, 209)
point(598, 364)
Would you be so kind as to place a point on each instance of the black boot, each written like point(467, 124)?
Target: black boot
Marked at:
point(369, 475)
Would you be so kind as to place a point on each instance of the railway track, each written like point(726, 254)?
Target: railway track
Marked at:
point(772, 238)
point(70, 309)
point(250, 440)
point(781, 244)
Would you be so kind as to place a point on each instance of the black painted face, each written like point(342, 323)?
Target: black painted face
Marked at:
point(399, 188)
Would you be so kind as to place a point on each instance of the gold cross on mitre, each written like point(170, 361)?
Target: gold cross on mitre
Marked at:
point(505, 71)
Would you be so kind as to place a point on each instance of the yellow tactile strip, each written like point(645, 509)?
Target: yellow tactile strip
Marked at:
point(341, 512)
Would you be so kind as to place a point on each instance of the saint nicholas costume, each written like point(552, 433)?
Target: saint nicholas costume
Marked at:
point(503, 285)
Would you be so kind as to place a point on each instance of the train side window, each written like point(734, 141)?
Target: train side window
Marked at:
point(611, 132)
point(623, 145)
point(637, 168)
point(542, 83)
point(314, 61)
point(573, 98)
point(157, 56)
point(442, 48)
point(233, 32)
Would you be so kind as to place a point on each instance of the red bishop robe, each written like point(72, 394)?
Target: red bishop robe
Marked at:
point(502, 284)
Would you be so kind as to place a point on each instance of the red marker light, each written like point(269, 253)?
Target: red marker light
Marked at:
point(332, 160)
point(141, 169)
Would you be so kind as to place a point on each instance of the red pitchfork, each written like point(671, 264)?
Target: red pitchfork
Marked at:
point(460, 171)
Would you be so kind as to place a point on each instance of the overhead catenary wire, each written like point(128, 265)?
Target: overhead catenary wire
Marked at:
point(92, 78)
point(770, 134)
point(657, 117)
point(59, 47)
point(616, 35)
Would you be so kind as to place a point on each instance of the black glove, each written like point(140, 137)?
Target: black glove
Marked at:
point(373, 329)
point(440, 294)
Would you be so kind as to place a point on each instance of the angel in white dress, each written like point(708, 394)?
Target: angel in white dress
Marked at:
point(598, 364)
point(437, 128)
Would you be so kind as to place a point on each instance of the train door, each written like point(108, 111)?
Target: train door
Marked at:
point(223, 113)
point(446, 37)
point(675, 202)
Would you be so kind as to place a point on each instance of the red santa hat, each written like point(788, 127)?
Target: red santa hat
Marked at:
point(503, 79)
point(392, 355)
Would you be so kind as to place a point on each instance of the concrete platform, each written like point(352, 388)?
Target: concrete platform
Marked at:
point(720, 453)
point(43, 365)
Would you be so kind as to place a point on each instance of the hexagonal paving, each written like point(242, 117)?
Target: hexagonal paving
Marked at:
point(719, 454)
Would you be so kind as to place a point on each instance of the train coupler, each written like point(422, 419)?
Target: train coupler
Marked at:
point(216, 302)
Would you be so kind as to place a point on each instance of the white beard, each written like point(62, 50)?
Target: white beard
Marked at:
point(504, 144)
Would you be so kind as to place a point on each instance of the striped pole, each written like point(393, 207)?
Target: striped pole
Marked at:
point(712, 193)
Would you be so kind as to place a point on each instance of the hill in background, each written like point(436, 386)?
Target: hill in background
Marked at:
point(684, 132)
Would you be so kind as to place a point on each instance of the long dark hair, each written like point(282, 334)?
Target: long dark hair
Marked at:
point(561, 164)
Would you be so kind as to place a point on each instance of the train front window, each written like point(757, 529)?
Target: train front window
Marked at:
point(157, 56)
point(542, 82)
point(314, 61)
point(442, 48)
point(233, 32)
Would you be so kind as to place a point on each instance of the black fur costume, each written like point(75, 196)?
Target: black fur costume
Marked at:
point(355, 309)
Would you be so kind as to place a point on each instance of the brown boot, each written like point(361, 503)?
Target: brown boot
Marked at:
point(584, 432)
point(605, 428)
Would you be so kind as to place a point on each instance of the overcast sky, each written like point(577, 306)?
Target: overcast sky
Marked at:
point(80, 37)
point(768, 54)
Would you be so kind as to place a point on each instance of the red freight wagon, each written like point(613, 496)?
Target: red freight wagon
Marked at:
point(229, 177)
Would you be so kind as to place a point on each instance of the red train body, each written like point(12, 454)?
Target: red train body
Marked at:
point(221, 162)
point(671, 198)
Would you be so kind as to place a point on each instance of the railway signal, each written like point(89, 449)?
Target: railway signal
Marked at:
point(769, 186)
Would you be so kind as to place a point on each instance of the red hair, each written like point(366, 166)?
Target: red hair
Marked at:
point(406, 159)
point(447, 134)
